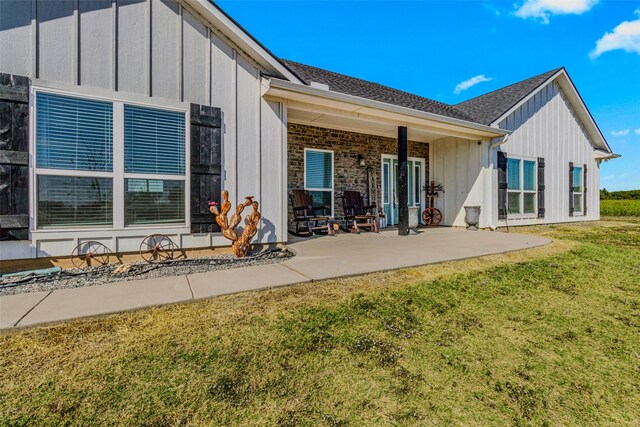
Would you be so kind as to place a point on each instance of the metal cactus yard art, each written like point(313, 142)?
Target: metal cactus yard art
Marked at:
point(240, 244)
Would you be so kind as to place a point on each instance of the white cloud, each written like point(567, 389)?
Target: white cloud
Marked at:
point(637, 131)
point(543, 9)
point(626, 36)
point(623, 132)
point(471, 82)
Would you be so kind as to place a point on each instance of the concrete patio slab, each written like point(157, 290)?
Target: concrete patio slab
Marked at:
point(224, 282)
point(14, 307)
point(316, 259)
point(73, 303)
point(345, 255)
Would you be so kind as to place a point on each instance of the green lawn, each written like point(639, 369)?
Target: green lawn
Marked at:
point(549, 336)
point(620, 207)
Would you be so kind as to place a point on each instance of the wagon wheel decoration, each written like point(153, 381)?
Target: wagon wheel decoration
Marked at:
point(432, 217)
point(156, 248)
point(90, 254)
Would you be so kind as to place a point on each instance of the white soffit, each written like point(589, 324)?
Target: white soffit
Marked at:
point(328, 102)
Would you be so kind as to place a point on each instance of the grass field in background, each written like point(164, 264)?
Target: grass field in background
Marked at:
point(620, 208)
point(547, 336)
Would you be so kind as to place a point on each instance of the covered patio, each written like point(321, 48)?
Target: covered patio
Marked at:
point(386, 152)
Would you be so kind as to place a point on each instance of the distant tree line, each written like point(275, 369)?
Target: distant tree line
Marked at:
point(619, 195)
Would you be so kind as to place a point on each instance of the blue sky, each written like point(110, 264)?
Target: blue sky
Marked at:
point(431, 47)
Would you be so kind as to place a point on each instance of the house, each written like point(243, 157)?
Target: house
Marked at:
point(119, 119)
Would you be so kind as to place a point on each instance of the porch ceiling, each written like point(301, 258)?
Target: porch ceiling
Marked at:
point(356, 124)
point(323, 108)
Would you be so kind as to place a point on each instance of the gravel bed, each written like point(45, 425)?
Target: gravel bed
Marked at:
point(75, 278)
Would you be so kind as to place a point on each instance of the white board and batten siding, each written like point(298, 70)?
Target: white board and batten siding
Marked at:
point(547, 126)
point(161, 53)
point(462, 167)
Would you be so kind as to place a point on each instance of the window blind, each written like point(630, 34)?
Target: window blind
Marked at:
point(153, 201)
point(319, 169)
point(154, 141)
point(577, 179)
point(513, 174)
point(73, 133)
point(529, 173)
point(64, 201)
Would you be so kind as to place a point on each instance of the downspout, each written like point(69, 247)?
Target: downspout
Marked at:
point(495, 143)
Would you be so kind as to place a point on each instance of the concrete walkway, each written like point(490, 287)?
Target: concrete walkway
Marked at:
point(316, 259)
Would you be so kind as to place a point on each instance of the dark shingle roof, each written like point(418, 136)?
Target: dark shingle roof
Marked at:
point(374, 91)
point(487, 108)
point(484, 109)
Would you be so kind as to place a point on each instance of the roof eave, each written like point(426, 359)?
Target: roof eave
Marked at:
point(603, 155)
point(488, 131)
point(585, 115)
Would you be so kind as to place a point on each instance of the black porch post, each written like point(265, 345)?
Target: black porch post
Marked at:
point(403, 206)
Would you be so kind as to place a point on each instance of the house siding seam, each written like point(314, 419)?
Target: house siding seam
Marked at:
point(348, 175)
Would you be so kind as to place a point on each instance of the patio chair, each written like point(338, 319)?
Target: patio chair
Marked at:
point(357, 215)
point(307, 221)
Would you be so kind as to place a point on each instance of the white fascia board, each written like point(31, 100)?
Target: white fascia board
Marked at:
point(603, 155)
point(239, 36)
point(361, 103)
point(576, 101)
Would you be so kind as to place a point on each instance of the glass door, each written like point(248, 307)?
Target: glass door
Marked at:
point(387, 189)
point(415, 180)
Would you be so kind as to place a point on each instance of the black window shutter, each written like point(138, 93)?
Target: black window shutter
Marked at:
point(584, 191)
point(206, 166)
point(502, 185)
point(540, 187)
point(14, 157)
point(571, 207)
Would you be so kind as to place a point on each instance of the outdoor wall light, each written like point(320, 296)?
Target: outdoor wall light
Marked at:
point(361, 160)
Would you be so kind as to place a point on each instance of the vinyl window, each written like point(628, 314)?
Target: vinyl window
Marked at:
point(154, 166)
point(107, 163)
point(578, 189)
point(74, 161)
point(521, 187)
point(318, 176)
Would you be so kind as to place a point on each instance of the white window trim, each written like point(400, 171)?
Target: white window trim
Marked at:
point(579, 210)
point(522, 191)
point(117, 174)
point(333, 167)
point(392, 193)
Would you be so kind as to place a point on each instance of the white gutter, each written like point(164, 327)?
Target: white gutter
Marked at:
point(497, 142)
point(364, 102)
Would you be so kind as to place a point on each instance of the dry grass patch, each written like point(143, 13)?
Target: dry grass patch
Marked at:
point(548, 335)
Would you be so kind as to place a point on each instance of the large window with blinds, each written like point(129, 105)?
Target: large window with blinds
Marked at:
point(74, 161)
point(108, 163)
point(318, 176)
point(521, 187)
point(154, 166)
